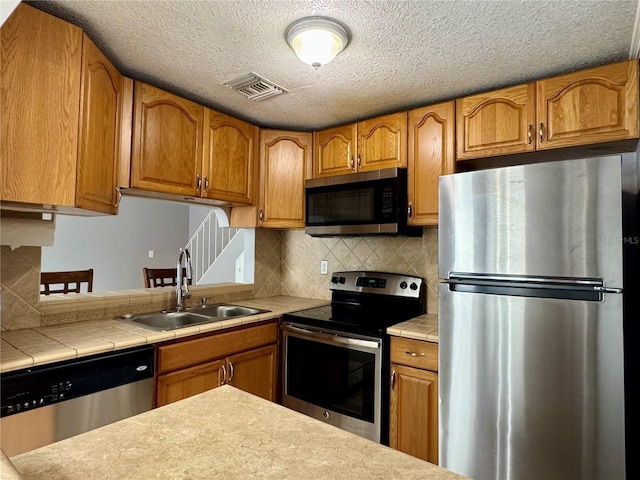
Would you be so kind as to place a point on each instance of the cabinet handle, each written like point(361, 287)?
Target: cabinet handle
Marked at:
point(393, 380)
point(118, 197)
point(541, 132)
point(352, 164)
point(409, 210)
point(261, 216)
point(230, 371)
point(530, 133)
point(198, 183)
point(359, 161)
point(413, 354)
point(224, 374)
point(206, 184)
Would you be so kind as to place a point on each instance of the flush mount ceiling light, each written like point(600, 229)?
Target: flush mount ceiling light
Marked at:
point(317, 40)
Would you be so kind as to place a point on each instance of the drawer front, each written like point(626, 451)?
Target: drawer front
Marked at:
point(414, 353)
point(219, 345)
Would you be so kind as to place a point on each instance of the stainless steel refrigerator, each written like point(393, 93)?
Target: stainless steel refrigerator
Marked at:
point(537, 301)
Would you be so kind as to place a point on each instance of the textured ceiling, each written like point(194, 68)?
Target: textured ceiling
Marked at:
point(401, 53)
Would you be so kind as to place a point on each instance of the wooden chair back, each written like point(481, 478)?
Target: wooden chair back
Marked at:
point(61, 282)
point(161, 277)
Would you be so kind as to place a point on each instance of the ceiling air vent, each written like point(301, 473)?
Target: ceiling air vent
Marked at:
point(255, 87)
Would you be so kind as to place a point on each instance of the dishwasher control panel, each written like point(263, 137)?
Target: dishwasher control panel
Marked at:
point(38, 387)
point(28, 396)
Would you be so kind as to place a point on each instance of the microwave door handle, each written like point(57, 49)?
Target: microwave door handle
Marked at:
point(335, 339)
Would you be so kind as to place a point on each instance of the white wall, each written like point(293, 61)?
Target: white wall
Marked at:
point(6, 9)
point(117, 247)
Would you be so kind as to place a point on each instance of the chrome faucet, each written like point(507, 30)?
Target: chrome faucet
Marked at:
point(180, 295)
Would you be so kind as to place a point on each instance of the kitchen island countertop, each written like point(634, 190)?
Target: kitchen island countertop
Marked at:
point(223, 433)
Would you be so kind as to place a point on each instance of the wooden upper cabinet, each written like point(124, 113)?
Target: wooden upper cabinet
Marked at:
point(500, 122)
point(590, 106)
point(167, 142)
point(430, 154)
point(382, 142)
point(334, 151)
point(61, 148)
point(230, 158)
point(101, 107)
point(285, 164)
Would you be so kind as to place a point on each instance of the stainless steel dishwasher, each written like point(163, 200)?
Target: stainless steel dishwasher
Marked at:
point(42, 405)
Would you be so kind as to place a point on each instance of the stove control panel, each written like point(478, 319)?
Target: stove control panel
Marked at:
point(378, 282)
point(371, 282)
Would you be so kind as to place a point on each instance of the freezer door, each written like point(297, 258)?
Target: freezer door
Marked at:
point(557, 219)
point(531, 388)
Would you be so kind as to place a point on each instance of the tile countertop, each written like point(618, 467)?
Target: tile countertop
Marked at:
point(222, 433)
point(38, 346)
point(424, 327)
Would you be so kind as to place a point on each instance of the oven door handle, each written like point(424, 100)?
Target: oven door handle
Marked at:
point(336, 339)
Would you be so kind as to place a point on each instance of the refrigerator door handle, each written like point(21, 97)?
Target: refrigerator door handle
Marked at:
point(608, 290)
point(455, 277)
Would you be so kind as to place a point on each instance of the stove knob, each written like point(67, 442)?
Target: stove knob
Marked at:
point(10, 409)
point(413, 286)
point(334, 279)
point(403, 284)
point(342, 279)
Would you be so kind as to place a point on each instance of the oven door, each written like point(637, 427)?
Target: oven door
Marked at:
point(334, 377)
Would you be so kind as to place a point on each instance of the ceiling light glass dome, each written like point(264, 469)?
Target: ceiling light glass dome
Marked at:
point(317, 40)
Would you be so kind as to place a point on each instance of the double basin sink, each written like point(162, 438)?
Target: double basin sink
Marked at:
point(166, 320)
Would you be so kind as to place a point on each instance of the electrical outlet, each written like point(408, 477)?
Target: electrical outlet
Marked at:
point(150, 253)
point(324, 265)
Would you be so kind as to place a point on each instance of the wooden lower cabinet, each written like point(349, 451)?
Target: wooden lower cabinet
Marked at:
point(255, 371)
point(246, 358)
point(188, 382)
point(413, 401)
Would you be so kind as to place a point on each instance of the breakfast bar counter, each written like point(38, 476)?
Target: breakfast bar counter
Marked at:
point(223, 433)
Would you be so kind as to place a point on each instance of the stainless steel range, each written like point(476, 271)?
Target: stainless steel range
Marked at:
point(336, 358)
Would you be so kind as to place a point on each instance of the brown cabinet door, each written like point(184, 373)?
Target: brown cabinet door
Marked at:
point(255, 371)
point(167, 142)
point(230, 158)
point(500, 122)
point(39, 102)
point(413, 425)
point(591, 106)
point(175, 386)
point(382, 142)
point(101, 112)
point(334, 151)
point(285, 161)
point(430, 154)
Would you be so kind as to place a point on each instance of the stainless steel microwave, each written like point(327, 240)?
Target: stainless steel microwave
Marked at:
point(368, 203)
